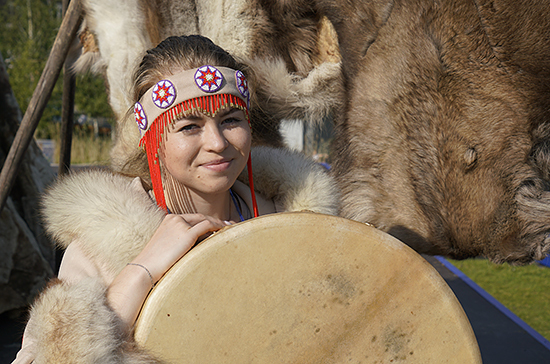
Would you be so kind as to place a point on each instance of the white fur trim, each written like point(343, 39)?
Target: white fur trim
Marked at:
point(113, 216)
point(294, 181)
point(98, 208)
point(72, 323)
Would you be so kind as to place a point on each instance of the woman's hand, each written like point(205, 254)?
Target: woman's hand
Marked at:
point(175, 236)
point(173, 239)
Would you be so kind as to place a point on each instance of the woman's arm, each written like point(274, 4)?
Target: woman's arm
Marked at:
point(88, 314)
point(171, 241)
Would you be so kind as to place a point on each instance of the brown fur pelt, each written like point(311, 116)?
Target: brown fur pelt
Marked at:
point(444, 143)
point(442, 138)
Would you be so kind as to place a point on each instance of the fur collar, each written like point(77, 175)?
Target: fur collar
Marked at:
point(113, 217)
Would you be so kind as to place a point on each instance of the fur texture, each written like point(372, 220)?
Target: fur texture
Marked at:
point(71, 322)
point(99, 207)
point(82, 309)
point(286, 95)
point(114, 32)
point(307, 188)
point(442, 144)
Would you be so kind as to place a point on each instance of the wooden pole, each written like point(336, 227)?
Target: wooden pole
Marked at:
point(67, 113)
point(39, 99)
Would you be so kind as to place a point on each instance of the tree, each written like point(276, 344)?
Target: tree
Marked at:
point(27, 31)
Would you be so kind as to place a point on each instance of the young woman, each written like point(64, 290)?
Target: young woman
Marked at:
point(176, 178)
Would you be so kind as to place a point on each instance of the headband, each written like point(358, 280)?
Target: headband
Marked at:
point(189, 85)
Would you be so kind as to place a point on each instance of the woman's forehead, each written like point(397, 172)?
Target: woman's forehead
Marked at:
point(196, 114)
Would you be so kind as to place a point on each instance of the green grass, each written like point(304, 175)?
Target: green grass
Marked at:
point(524, 290)
point(87, 150)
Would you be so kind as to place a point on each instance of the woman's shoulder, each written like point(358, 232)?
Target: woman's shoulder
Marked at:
point(95, 194)
point(293, 181)
point(106, 211)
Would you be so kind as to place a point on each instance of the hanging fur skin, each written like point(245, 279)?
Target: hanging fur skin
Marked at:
point(442, 138)
point(444, 142)
point(441, 107)
point(114, 37)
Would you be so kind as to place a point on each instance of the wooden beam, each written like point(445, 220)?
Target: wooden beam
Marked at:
point(40, 97)
point(67, 113)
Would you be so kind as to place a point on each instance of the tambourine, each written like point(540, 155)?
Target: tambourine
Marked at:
point(304, 288)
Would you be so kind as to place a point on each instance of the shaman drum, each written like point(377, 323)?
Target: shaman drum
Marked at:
point(304, 288)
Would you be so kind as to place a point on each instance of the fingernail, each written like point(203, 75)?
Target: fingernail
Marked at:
point(228, 223)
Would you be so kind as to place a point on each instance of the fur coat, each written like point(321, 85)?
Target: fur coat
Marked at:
point(71, 322)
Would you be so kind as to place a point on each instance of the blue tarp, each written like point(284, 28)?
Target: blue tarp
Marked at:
point(545, 261)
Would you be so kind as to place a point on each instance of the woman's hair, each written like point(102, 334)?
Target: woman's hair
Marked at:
point(172, 55)
point(176, 54)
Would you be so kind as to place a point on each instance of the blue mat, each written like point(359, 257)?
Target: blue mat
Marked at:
point(545, 261)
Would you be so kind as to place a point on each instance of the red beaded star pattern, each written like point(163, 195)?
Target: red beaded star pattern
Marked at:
point(164, 94)
point(141, 118)
point(242, 84)
point(208, 78)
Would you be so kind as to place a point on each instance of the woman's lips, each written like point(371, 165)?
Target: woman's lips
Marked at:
point(218, 165)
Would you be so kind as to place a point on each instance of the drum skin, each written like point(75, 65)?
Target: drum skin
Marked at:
point(304, 288)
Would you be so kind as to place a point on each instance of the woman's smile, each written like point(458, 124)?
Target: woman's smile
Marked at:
point(219, 165)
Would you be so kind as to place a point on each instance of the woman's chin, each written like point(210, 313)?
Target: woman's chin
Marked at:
point(217, 187)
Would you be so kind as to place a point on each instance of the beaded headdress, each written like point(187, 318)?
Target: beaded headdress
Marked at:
point(207, 90)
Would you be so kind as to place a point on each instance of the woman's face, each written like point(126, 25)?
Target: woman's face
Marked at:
point(206, 154)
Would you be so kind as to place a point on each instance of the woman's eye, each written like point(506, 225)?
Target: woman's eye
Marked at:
point(187, 128)
point(231, 120)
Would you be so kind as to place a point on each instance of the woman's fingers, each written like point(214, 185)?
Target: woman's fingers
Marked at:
point(206, 227)
point(173, 239)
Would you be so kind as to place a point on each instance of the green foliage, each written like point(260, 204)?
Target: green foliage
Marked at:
point(523, 290)
point(91, 97)
point(27, 31)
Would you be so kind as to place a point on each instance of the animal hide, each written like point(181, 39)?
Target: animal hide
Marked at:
point(441, 107)
point(445, 140)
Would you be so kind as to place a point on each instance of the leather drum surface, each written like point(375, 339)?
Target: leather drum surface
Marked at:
point(304, 288)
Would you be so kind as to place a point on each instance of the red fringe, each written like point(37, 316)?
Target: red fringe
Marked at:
point(208, 105)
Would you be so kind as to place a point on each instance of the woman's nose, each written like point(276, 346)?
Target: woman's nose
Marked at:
point(214, 140)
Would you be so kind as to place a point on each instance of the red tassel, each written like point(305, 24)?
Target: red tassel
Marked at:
point(251, 183)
